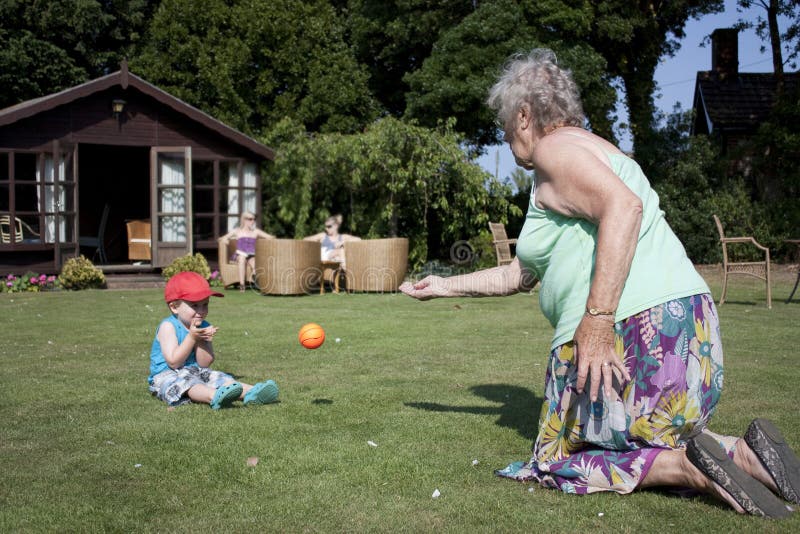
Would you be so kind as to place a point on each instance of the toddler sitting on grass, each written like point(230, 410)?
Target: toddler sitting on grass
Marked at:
point(181, 356)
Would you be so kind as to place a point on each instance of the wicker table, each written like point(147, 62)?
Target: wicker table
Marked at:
point(797, 281)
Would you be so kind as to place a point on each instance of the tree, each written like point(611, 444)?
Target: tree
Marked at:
point(46, 46)
point(603, 42)
point(393, 179)
point(392, 38)
point(774, 149)
point(251, 63)
point(633, 37)
point(767, 29)
point(466, 60)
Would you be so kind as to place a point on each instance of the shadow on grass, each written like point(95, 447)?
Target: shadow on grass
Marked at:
point(518, 411)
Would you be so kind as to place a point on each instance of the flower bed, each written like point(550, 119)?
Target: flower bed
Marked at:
point(29, 281)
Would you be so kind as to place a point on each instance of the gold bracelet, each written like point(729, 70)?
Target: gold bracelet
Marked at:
point(595, 312)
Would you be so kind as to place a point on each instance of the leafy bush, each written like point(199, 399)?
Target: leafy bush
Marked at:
point(393, 179)
point(694, 182)
point(29, 281)
point(196, 263)
point(80, 273)
point(484, 254)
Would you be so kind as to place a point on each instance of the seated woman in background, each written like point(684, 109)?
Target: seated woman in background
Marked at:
point(245, 235)
point(331, 241)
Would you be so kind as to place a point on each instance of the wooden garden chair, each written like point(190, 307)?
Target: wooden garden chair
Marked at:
point(502, 244)
point(757, 269)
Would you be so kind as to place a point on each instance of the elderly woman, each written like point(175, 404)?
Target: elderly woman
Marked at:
point(635, 368)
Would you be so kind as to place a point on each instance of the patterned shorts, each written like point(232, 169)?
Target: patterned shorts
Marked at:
point(171, 385)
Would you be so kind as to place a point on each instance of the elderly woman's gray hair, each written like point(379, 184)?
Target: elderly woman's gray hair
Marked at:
point(536, 80)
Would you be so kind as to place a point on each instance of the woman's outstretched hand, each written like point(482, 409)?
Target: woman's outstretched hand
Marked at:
point(596, 358)
point(430, 287)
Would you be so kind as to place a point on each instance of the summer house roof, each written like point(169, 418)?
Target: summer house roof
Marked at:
point(124, 79)
point(736, 103)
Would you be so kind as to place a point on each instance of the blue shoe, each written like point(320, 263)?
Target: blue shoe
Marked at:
point(225, 395)
point(262, 393)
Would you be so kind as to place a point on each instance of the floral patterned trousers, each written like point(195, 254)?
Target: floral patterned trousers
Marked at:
point(674, 356)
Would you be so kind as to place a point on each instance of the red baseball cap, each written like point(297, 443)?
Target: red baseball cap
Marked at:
point(188, 285)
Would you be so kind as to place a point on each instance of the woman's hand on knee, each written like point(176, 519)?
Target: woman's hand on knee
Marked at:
point(595, 356)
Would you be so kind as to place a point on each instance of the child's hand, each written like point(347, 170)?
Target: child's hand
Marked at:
point(203, 334)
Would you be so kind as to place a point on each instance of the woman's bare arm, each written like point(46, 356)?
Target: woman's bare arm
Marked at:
point(576, 182)
point(316, 237)
point(496, 281)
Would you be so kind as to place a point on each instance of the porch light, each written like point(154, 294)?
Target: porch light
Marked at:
point(117, 105)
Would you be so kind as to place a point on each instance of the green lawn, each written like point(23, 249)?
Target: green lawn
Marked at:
point(436, 385)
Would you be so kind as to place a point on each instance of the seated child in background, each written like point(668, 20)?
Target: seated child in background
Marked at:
point(182, 353)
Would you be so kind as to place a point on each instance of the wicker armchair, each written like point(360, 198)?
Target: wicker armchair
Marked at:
point(287, 266)
point(139, 245)
point(376, 264)
point(228, 269)
point(757, 269)
point(502, 244)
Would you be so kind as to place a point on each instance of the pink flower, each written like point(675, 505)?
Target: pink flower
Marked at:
point(11, 277)
point(51, 278)
point(10, 284)
point(33, 280)
point(42, 277)
point(214, 275)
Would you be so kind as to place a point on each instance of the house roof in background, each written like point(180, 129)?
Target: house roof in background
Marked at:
point(739, 102)
point(124, 79)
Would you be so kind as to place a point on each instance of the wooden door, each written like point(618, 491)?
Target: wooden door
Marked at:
point(60, 197)
point(171, 203)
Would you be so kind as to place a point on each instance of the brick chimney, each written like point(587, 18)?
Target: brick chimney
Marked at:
point(725, 52)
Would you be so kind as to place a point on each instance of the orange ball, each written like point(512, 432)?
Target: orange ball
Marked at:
point(311, 335)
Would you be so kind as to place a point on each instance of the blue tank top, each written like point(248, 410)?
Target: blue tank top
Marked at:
point(157, 361)
point(560, 251)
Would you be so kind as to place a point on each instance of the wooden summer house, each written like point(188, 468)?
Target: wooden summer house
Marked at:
point(83, 168)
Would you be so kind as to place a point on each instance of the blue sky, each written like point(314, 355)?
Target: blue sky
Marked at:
point(676, 75)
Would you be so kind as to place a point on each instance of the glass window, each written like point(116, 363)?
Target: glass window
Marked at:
point(67, 197)
point(204, 228)
point(26, 196)
point(249, 171)
point(65, 227)
point(203, 200)
point(4, 197)
point(172, 229)
point(24, 166)
point(4, 166)
point(30, 228)
point(203, 172)
point(233, 196)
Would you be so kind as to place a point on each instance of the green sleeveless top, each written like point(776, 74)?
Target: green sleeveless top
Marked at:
point(560, 251)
